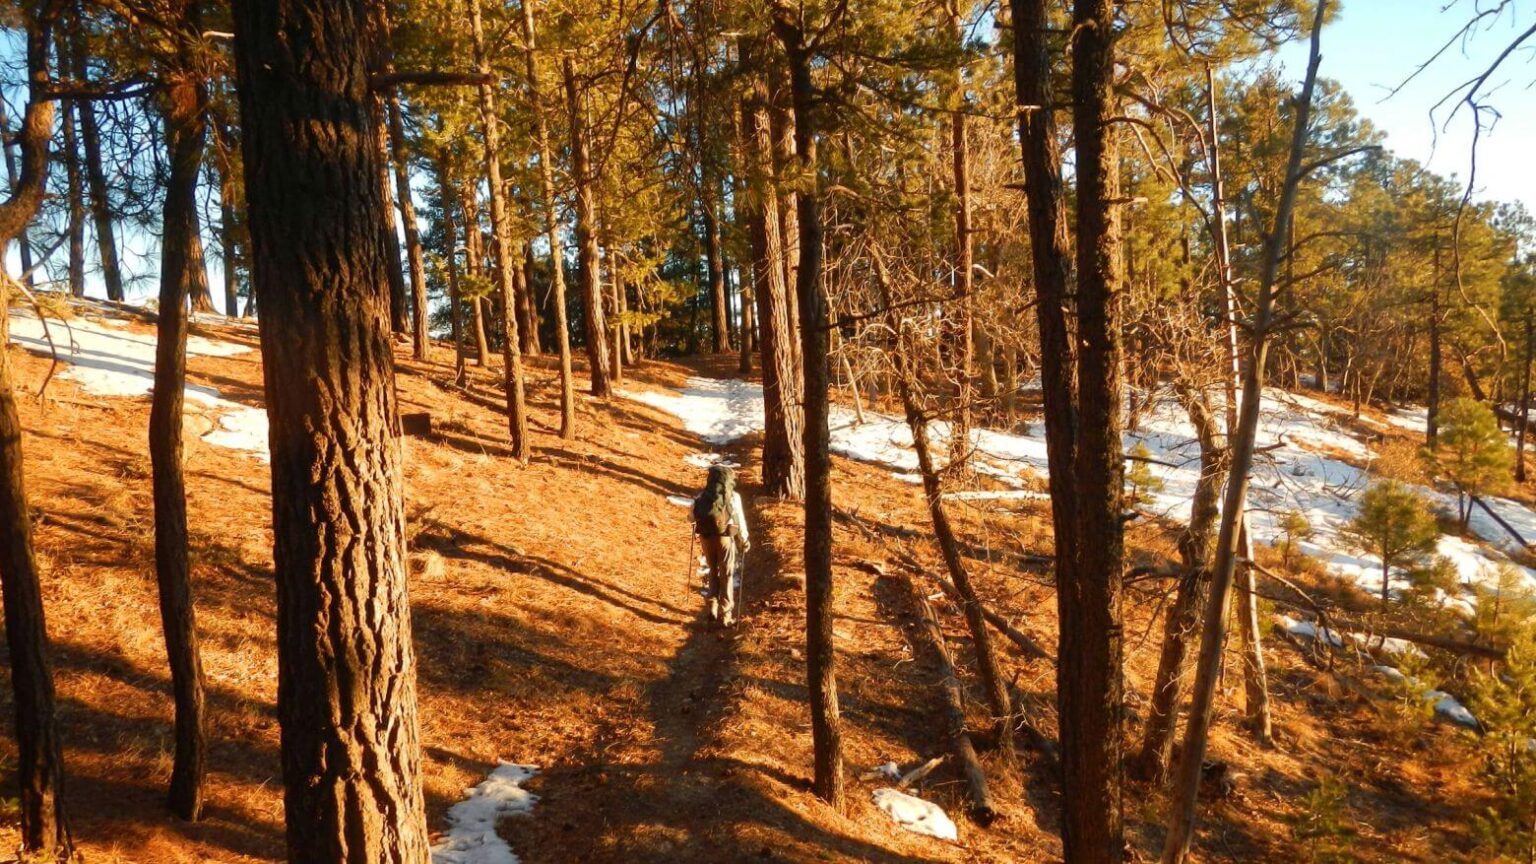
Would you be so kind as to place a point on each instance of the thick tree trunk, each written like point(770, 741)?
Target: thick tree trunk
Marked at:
point(96, 179)
point(1182, 623)
point(782, 126)
point(820, 656)
point(185, 102)
point(783, 456)
point(1087, 816)
point(39, 765)
point(1089, 681)
point(552, 230)
point(1241, 448)
point(501, 232)
point(594, 328)
point(346, 668)
point(421, 341)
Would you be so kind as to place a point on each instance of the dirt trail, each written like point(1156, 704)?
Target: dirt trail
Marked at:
point(552, 628)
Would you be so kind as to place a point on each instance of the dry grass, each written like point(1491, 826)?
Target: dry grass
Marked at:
point(552, 627)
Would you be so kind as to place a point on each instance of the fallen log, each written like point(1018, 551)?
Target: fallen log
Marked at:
point(1019, 638)
point(1023, 641)
point(975, 553)
point(982, 811)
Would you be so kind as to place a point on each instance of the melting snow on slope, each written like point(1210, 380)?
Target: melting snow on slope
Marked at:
point(471, 837)
point(1291, 474)
point(107, 359)
point(1445, 704)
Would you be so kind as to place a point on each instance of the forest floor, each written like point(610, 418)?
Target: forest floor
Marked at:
point(556, 626)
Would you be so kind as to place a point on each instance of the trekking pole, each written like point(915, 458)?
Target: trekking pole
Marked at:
point(688, 574)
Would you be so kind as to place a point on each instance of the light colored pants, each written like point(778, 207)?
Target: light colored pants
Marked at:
point(721, 554)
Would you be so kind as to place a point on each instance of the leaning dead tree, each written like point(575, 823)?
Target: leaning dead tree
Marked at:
point(991, 674)
point(1228, 548)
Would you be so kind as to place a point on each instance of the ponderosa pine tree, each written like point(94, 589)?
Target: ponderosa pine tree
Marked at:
point(594, 323)
point(820, 650)
point(783, 453)
point(346, 699)
point(551, 225)
point(39, 763)
point(95, 175)
point(501, 235)
point(184, 107)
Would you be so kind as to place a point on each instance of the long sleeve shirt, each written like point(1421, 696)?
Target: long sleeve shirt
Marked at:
point(739, 518)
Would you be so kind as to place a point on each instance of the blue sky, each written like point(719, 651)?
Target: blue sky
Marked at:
point(1373, 45)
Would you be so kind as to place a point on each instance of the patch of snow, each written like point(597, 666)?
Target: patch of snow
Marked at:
point(471, 837)
point(242, 427)
point(1391, 673)
point(1448, 707)
point(997, 495)
point(1386, 644)
point(709, 460)
point(1412, 419)
point(887, 771)
point(105, 358)
point(719, 411)
point(915, 814)
point(1309, 630)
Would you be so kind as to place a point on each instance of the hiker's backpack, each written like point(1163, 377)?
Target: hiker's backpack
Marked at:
point(712, 509)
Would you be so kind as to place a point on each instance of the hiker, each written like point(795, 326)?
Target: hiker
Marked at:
point(719, 521)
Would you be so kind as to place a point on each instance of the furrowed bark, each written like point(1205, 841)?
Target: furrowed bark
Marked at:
point(1089, 676)
point(346, 668)
point(783, 456)
point(820, 656)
